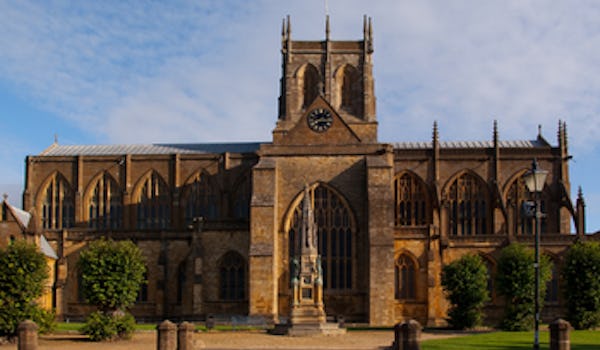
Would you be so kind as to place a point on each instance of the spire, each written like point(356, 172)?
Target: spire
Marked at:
point(283, 38)
point(327, 27)
point(370, 45)
point(580, 213)
point(365, 30)
point(289, 28)
point(566, 139)
point(495, 133)
point(436, 136)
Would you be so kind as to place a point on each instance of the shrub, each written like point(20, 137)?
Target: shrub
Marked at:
point(581, 274)
point(112, 273)
point(465, 282)
point(23, 272)
point(516, 281)
point(101, 326)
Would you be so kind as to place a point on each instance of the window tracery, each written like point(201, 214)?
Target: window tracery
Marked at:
point(232, 277)
point(200, 199)
point(522, 223)
point(105, 206)
point(154, 203)
point(411, 201)
point(58, 204)
point(405, 278)
point(469, 207)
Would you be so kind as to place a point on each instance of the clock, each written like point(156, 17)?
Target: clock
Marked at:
point(319, 119)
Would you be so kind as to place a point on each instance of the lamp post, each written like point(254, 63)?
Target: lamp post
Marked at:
point(535, 181)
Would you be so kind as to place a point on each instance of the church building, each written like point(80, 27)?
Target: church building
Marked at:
point(219, 223)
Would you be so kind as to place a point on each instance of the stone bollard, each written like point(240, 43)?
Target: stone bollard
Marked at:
point(27, 335)
point(185, 336)
point(210, 322)
point(407, 336)
point(167, 336)
point(559, 335)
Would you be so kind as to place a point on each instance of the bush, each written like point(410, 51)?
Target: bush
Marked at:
point(581, 274)
point(101, 326)
point(516, 281)
point(23, 272)
point(112, 273)
point(465, 282)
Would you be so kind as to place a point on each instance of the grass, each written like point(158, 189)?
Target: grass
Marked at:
point(580, 340)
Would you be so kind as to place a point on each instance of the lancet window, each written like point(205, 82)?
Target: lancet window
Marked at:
point(405, 278)
point(154, 203)
point(335, 230)
point(349, 89)
point(310, 84)
point(200, 199)
point(410, 200)
point(241, 200)
point(232, 277)
point(58, 204)
point(105, 206)
point(552, 287)
point(469, 207)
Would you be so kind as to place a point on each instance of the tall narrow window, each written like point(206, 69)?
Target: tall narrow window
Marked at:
point(200, 199)
point(58, 204)
point(522, 222)
point(105, 206)
point(335, 235)
point(181, 279)
point(410, 200)
point(241, 200)
point(311, 84)
point(490, 267)
point(142, 296)
point(552, 288)
point(350, 87)
point(405, 273)
point(154, 204)
point(232, 277)
point(469, 209)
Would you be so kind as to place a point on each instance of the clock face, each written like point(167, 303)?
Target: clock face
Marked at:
point(319, 119)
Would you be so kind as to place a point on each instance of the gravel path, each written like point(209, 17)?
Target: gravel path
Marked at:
point(232, 340)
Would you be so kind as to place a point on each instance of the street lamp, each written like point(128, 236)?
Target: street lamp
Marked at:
point(535, 181)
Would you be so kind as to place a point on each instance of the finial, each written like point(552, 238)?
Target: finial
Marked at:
point(370, 35)
point(565, 134)
point(327, 27)
point(56, 138)
point(5, 196)
point(579, 193)
point(289, 27)
point(365, 33)
point(435, 132)
point(283, 29)
point(539, 130)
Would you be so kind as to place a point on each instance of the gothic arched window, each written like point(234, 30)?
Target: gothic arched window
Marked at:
point(552, 287)
point(105, 206)
point(469, 207)
point(232, 277)
point(241, 199)
point(410, 200)
point(58, 204)
point(200, 199)
point(311, 83)
point(335, 228)
point(522, 222)
point(153, 203)
point(350, 88)
point(405, 278)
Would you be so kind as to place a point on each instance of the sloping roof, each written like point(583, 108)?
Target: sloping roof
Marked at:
point(173, 148)
point(471, 144)
point(21, 216)
point(46, 249)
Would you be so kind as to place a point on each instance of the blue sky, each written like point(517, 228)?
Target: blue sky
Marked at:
point(96, 72)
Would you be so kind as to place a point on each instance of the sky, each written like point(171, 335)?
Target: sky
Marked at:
point(122, 72)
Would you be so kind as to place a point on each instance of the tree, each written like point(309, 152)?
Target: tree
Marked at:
point(465, 282)
point(112, 273)
point(23, 272)
point(581, 274)
point(515, 279)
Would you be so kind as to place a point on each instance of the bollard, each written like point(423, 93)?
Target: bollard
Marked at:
point(411, 335)
point(559, 335)
point(210, 322)
point(341, 321)
point(397, 345)
point(167, 336)
point(27, 335)
point(185, 336)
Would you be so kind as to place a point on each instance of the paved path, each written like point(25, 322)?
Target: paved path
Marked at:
point(356, 340)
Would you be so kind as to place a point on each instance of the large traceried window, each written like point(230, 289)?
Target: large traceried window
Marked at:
point(469, 206)
point(58, 204)
point(405, 278)
point(154, 203)
point(105, 206)
point(335, 229)
point(522, 223)
point(410, 201)
point(200, 199)
point(232, 277)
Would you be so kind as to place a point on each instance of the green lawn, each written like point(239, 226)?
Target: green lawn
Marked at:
point(580, 340)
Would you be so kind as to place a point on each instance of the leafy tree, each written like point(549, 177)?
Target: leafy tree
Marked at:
point(581, 274)
point(515, 279)
point(465, 282)
point(23, 272)
point(112, 273)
